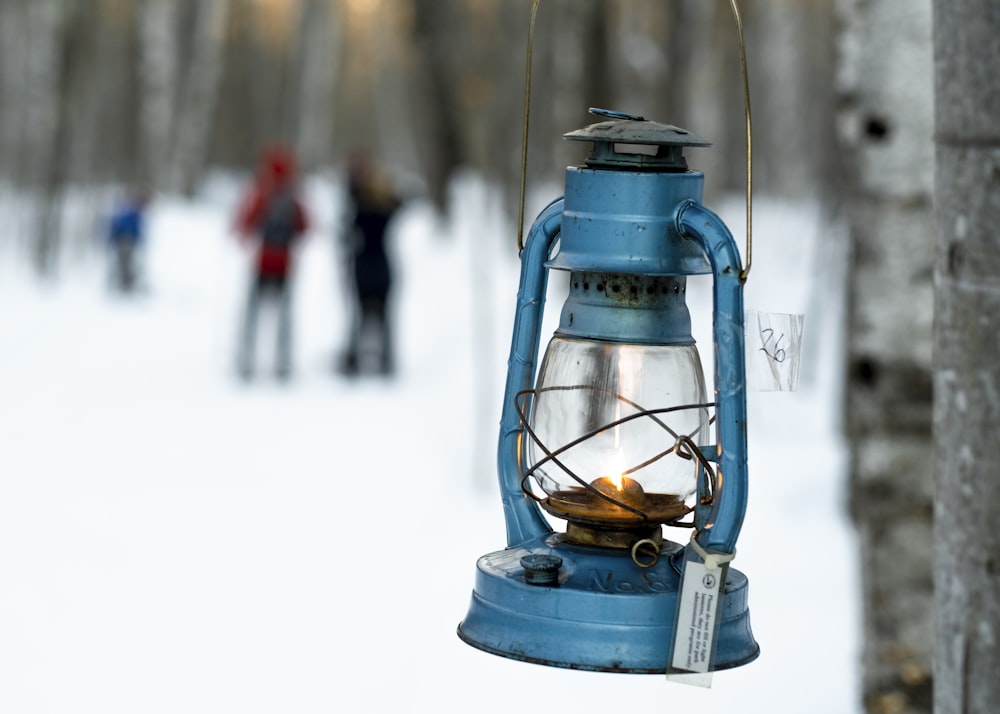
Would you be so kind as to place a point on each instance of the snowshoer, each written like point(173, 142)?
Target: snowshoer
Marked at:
point(374, 204)
point(271, 219)
point(125, 234)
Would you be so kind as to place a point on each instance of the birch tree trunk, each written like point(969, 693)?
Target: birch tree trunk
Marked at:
point(438, 108)
point(40, 128)
point(392, 118)
point(14, 87)
point(713, 101)
point(158, 62)
point(199, 96)
point(966, 365)
point(791, 49)
point(319, 40)
point(886, 127)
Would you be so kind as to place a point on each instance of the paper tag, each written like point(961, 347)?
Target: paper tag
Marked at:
point(697, 617)
point(773, 351)
point(693, 679)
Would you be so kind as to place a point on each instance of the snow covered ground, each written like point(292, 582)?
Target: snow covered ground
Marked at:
point(172, 540)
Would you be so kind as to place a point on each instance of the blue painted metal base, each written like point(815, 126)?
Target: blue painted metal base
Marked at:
point(606, 614)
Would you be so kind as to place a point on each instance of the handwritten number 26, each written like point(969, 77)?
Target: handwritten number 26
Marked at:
point(772, 345)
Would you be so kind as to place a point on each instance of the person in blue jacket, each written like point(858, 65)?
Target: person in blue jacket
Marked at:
point(125, 233)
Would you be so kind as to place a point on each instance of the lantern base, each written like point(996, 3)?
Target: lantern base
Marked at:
point(605, 537)
point(604, 613)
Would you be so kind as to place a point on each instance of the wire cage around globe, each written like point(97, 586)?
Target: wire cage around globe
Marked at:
point(613, 434)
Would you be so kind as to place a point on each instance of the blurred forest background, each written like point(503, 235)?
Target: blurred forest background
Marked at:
point(98, 94)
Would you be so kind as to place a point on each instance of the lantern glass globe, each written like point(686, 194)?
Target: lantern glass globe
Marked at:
point(611, 414)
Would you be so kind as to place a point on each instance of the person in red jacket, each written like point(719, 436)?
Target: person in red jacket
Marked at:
point(272, 219)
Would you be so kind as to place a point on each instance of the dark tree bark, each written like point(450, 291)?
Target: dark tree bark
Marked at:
point(438, 108)
point(72, 57)
point(966, 367)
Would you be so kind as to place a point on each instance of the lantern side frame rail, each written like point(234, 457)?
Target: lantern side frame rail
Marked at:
point(718, 519)
point(538, 600)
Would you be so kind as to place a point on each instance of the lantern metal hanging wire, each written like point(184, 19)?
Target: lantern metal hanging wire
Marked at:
point(748, 123)
point(684, 445)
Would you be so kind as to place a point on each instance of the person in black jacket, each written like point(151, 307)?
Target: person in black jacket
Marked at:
point(373, 203)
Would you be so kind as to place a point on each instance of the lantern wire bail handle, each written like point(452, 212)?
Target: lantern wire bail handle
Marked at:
point(524, 129)
point(746, 111)
point(749, 139)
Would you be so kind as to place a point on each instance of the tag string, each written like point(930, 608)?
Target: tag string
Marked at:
point(746, 111)
point(713, 561)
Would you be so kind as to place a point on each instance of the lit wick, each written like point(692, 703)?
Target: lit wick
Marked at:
point(623, 489)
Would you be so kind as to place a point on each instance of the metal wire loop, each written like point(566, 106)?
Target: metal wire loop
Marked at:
point(682, 442)
point(648, 547)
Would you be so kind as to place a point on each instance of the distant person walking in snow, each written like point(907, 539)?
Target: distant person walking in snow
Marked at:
point(272, 219)
point(125, 234)
point(372, 205)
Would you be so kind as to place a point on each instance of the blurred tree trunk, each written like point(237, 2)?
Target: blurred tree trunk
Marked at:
point(238, 125)
point(392, 116)
point(198, 96)
point(681, 42)
point(318, 57)
point(62, 70)
point(40, 125)
point(886, 122)
point(14, 88)
point(967, 372)
point(583, 72)
point(437, 108)
point(158, 68)
point(99, 95)
point(712, 103)
point(790, 44)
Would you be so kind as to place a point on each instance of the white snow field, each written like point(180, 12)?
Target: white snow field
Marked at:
point(175, 541)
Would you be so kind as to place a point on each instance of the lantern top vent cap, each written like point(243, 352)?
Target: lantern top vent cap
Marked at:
point(630, 129)
point(624, 128)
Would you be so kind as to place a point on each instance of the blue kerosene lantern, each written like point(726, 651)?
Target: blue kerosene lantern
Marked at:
point(617, 437)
